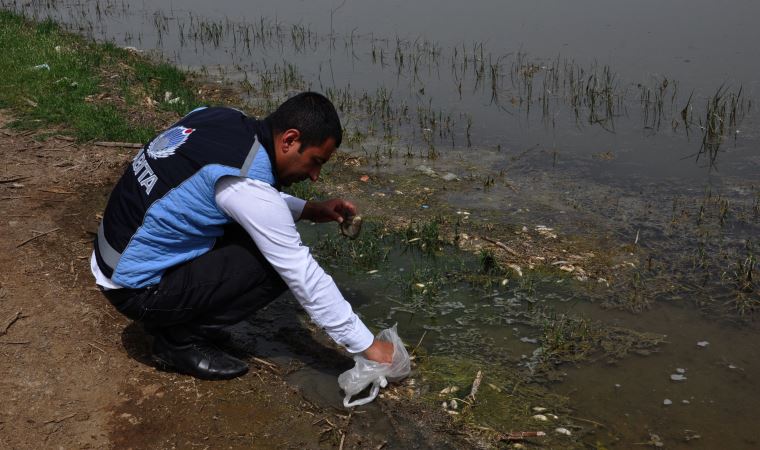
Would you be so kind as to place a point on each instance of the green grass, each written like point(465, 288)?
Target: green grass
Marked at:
point(66, 91)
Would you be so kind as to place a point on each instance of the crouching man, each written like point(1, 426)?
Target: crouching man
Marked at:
point(196, 235)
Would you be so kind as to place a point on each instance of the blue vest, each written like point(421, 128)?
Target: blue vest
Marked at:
point(163, 211)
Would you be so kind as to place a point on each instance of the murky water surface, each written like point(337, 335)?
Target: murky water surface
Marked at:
point(632, 122)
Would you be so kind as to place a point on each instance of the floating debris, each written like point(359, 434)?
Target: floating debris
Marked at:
point(449, 390)
point(685, 402)
point(677, 377)
point(667, 402)
point(426, 170)
point(539, 409)
point(516, 268)
point(680, 370)
point(690, 435)
point(528, 340)
point(655, 440)
point(545, 231)
point(702, 344)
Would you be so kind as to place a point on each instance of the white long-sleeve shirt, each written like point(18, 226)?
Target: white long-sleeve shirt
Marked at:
point(269, 218)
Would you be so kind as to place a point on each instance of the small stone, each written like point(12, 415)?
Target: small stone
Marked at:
point(702, 344)
point(539, 409)
point(667, 402)
point(449, 177)
point(540, 417)
point(685, 402)
point(453, 404)
point(679, 370)
point(564, 431)
point(617, 385)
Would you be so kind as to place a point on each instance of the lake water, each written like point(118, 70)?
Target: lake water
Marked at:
point(619, 120)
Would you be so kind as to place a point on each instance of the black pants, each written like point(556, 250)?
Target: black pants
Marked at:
point(201, 296)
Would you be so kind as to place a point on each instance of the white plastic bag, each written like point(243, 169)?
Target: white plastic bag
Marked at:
point(366, 372)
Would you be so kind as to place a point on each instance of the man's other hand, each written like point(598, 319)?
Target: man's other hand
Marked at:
point(380, 351)
point(329, 210)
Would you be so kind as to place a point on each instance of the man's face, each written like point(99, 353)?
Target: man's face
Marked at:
point(296, 165)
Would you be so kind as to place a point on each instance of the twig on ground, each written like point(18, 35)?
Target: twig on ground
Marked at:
point(38, 236)
point(12, 179)
point(60, 419)
point(266, 363)
point(9, 323)
point(118, 144)
point(56, 191)
point(96, 347)
point(500, 245)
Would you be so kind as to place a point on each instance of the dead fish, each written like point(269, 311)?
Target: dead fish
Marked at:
point(351, 226)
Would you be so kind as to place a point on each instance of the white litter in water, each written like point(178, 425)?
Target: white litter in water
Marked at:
point(685, 402)
point(677, 377)
point(702, 344)
point(667, 402)
point(679, 370)
point(528, 340)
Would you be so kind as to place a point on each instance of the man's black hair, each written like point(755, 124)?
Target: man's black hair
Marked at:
point(310, 113)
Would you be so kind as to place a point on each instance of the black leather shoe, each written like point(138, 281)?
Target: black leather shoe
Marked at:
point(198, 358)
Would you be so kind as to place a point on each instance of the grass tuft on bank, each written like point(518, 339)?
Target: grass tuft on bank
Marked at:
point(50, 77)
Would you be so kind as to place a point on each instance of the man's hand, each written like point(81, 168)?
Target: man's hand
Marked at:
point(328, 210)
point(380, 351)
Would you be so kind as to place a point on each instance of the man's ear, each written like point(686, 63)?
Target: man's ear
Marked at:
point(289, 138)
